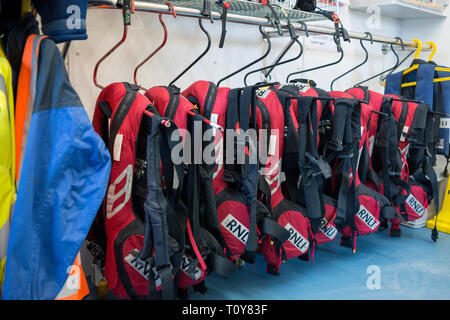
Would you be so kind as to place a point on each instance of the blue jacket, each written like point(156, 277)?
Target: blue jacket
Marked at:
point(62, 183)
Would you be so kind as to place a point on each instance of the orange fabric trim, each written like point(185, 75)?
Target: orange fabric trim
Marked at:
point(23, 95)
point(83, 291)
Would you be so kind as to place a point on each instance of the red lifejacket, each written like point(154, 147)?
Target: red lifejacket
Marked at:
point(383, 149)
point(270, 117)
point(321, 211)
point(411, 123)
point(171, 104)
point(127, 272)
point(363, 212)
point(239, 213)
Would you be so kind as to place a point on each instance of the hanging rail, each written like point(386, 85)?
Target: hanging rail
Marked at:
point(246, 19)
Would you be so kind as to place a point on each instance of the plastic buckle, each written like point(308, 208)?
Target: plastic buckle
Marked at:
point(230, 176)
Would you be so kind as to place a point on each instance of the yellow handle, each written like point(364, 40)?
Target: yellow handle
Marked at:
point(433, 52)
point(419, 48)
point(26, 7)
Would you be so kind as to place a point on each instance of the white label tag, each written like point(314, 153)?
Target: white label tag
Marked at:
point(214, 118)
point(117, 147)
point(445, 123)
point(303, 87)
point(236, 228)
point(414, 204)
point(263, 92)
point(272, 145)
point(297, 239)
point(371, 143)
point(330, 231)
point(440, 144)
point(405, 131)
point(365, 216)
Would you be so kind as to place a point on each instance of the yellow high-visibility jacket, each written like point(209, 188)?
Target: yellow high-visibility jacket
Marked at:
point(7, 158)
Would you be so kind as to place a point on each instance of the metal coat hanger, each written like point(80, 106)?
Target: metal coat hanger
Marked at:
point(397, 63)
point(339, 49)
point(126, 13)
point(157, 49)
point(269, 47)
point(294, 39)
point(359, 65)
point(171, 84)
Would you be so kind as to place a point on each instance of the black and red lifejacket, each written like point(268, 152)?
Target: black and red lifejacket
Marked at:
point(309, 97)
point(358, 210)
point(411, 127)
point(242, 218)
point(371, 207)
point(144, 240)
point(304, 168)
point(406, 118)
point(287, 214)
point(204, 252)
point(388, 170)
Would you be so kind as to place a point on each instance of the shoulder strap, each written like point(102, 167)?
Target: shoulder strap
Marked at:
point(394, 83)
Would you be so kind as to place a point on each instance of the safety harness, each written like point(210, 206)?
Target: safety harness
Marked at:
point(144, 238)
point(242, 218)
point(203, 253)
point(411, 122)
point(287, 214)
point(301, 158)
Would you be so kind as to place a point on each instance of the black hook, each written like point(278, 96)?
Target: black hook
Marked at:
point(269, 47)
point(323, 66)
point(392, 71)
point(271, 67)
point(397, 63)
point(294, 39)
point(359, 65)
point(199, 57)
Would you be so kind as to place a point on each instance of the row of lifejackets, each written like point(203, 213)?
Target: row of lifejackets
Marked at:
point(345, 162)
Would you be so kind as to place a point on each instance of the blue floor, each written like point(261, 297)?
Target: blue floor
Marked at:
point(411, 267)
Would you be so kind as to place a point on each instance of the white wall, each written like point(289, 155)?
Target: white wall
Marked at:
point(436, 30)
point(186, 41)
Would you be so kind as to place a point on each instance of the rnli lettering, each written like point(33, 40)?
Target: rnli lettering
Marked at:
point(297, 239)
point(330, 231)
point(263, 92)
point(236, 228)
point(142, 267)
point(415, 204)
point(369, 219)
point(190, 268)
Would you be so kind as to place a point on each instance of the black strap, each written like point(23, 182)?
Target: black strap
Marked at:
point(121, 112)
point(231, 172)
point(402, 120)
point(221, 265)
point(192, 184)
point(273, 229)
point(344, 139)
point(156, 209)
point(249, 171)
point(313, 169)
point(223, 16)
